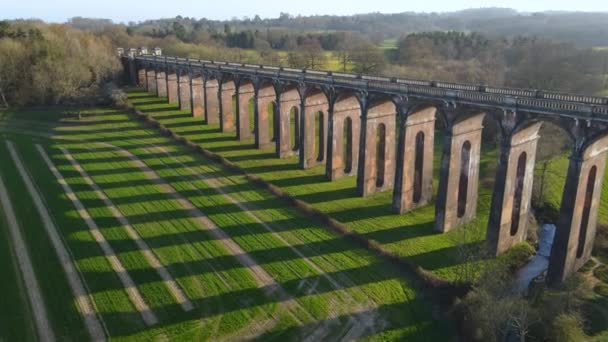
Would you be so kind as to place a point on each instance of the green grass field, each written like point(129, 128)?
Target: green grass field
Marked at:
point(410, 235)
point(337, 289)
point(334, 289)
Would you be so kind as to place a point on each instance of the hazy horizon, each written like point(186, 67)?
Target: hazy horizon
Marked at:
point(61, 11)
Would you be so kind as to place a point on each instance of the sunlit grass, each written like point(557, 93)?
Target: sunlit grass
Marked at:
point(228, 303)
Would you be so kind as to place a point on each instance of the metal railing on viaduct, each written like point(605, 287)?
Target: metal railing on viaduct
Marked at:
point(381, 130)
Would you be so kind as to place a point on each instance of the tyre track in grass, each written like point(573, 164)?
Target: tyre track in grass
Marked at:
point(43, 326)
point(365, 318)
point(148, 253)
point(83, 301)
point(265, 281)
point(256, 327)
point(135, 296)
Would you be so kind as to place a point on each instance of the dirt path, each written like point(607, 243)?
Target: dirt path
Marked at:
point(83, 301)
point(134, 295)
point(152, 259)
point(43, 326)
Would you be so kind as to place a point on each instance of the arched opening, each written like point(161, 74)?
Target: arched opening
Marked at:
point(294, 127)
point(520, 176)
point(582, 235)
point(348, 145)
point(320, 135)
point(380, 154)
point(463, 183)
point(418, 165)
point(251, 111)
point(272, 129)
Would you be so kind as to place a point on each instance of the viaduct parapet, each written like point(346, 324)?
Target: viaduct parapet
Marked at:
point(381, 130)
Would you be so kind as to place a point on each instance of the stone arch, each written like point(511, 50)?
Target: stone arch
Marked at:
point(380, 154)
point(418, 166)
point(346, 119)
point(314, 103)
point(589, 189)
point(320, 135)
point(265, 96)
point(245, 109)
point(348, 145)
point(414, 167)
point(520, 176)
point(382, 111)
point(294, 131)
point(513, 185)
point(212, 100)
point(289, 103)
point(227, 96)
point(273, 121)
point(456, 202)
point(463, 183)
point(577, 223)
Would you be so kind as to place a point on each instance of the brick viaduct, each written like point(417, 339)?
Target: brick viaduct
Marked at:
point(381, 130)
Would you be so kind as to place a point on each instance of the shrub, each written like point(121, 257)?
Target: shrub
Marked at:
point(601, 289)
point(601, 273)
point(112, 94)
point(588, 266)
point(568, 328)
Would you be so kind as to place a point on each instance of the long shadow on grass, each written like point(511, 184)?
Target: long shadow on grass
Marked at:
point(401, 314)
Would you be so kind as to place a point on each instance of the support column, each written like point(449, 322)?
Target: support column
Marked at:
point(172, 92)
point(151, 80)
point(212, 105)
point(577, 222)
point(265, 97)
point(377, 150)
point(197, 102)
point(227, 91)
point(289, 100)
point(184, 92)
point(459, 175)
point(243, 121)
point(508, 222)
point(414, 173)
point(141, 78)
point(161, 84)
point(344, 156)
point(277, 122)
point(313, 135)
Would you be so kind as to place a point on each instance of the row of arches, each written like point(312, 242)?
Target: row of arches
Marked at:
point(462, 164)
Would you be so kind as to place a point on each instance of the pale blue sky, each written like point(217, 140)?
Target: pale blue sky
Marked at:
point(127, 10)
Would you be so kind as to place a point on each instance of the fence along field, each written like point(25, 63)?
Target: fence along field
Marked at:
point(332, 289)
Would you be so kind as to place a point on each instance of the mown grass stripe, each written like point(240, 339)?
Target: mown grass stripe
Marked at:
point(134, 295)
point(83, 301)
point(152, 259)
point(216, 185)
point(43, 326)
point(270, 286)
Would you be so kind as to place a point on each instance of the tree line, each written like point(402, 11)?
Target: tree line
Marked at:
point(53, 64)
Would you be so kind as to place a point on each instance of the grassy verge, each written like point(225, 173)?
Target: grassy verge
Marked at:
point(59, 303)
point(15, 319)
